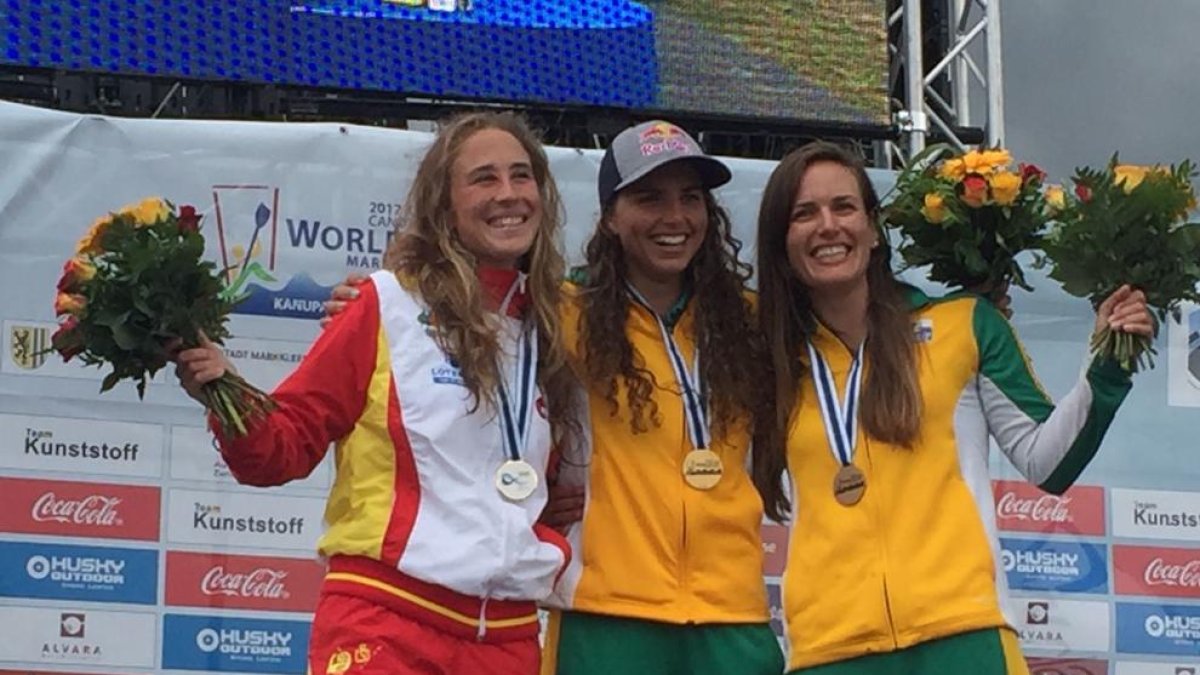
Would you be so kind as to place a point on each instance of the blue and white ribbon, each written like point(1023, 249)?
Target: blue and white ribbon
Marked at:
point(841, 418)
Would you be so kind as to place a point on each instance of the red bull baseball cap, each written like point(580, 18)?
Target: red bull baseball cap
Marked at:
point(641, 149)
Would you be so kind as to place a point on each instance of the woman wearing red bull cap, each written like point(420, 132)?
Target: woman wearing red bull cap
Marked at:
point(668, 578)
point(431, 384)
point(885, 403)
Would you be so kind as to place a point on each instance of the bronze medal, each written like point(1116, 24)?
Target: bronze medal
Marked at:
point(849, 485)
point(702, 469)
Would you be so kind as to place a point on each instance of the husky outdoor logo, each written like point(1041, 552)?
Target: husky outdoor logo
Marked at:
point(248, 235)
point(29, 345)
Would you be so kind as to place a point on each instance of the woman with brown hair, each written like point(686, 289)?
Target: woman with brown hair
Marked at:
point(885, 402)
point(667, 579)
point(442, 386)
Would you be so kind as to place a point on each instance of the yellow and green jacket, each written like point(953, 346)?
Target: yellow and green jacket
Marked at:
point(649, 546)
point(918, 558)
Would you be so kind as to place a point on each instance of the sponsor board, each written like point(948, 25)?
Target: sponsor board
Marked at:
point(1172, 630)
point(1164, 572)
point(23, 343)
point(79, 573)
point(265, 362)
point(1021, 507)
point(1055, 566)
point(53, 635)
point(194, 457)
point(264, 247)
point(775, 547)
point(244, 519)
point(80, 446)
point(1156, 514)
point(1067, 666)
point(1148, 668)
point(242, 582)
point(775, 603)
point(1183, 358)
point(1061, 626)
point(72, 509)
point(234, 644)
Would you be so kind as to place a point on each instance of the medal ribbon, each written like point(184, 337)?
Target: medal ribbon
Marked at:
point(517, 423)
point(841, 419)
point(695, 396)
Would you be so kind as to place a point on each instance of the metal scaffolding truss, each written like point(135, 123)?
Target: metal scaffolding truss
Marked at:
point(937, 102)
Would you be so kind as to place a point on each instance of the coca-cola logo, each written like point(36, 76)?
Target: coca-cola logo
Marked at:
point(263, 582)
point(1044, 509)
point(1159, 573)
point(91, 510)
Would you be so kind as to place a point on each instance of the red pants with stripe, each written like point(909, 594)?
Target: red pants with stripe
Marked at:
point(356, 636)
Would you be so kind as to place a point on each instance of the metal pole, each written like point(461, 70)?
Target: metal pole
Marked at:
point(995, 76)
point(914, 82)
point(960, 82)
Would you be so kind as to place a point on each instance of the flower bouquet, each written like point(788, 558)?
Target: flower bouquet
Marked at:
point(136, 287)
point(969, 216)
point(1126, 224)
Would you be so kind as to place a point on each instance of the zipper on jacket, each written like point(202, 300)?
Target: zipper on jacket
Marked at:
point(482, 620)
point(887, 595)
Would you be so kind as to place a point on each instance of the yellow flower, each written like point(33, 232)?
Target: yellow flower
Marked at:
point(954, 169)
point(68, 303)
point(935, 208)
point(996, 159)
point(1130, 175)
point(1056, 197)
point(90, 242)
point(1005, 187)
point(974, 162)
point(149, 211)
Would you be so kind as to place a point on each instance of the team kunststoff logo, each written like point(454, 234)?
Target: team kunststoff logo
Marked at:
point(28, 346)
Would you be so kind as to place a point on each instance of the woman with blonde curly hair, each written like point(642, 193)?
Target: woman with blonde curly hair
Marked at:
point(443, 387)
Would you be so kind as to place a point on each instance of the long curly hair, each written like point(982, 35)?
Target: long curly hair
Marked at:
point(891, 396)
point(429, 258)
point(730, 350)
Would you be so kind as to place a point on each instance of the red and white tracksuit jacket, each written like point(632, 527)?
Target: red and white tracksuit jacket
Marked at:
point(414, 521)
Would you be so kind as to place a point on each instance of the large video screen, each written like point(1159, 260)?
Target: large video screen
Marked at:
point(798, 60)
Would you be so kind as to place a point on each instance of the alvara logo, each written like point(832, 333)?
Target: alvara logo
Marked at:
point(1163, 572)
point(80, 509)
point(71, 630)
point(242, 582)
point(1022, 507)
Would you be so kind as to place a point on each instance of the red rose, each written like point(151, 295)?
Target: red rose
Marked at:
point(1083, 192)
point(76, 272)
point(1031, 172)
point(975, 190)
point(67, 340)
point(188, 220)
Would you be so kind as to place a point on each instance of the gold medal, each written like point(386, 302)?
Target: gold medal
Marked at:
point(702, 469)
point(849, 485)
point(516, 480)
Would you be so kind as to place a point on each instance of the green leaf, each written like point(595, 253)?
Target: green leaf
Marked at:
point(110, 381)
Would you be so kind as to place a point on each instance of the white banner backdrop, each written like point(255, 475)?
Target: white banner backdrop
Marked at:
point(108, 504)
